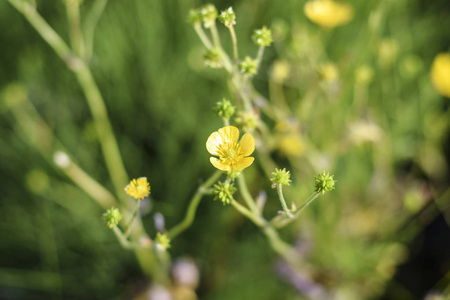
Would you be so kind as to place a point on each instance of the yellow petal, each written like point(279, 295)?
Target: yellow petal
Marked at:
point(213, 143)
point(247, 144)
point(328, 13)
point(219, 165)
point(229, 134)
point(440, 74)
point(243, 163)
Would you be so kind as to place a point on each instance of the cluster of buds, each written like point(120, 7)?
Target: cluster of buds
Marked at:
point(209, 15)
point(228, 17)
point(224, 109)
point(224, 191)
point(263, 37)
point(249, 66)
point(112, 217)
point(282, 177)
point(213, 58)
point(324, 182)
point(162, 241)
point(246, 120)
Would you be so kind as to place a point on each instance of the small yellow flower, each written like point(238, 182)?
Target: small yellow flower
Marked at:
point(440, 74)
point(328, 13)
point(232, 155)
point(291, 145)
point(138, 188)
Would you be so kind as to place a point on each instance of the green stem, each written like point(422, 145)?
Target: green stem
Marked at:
point(133, 216)
point(281, 221)
point(42, 27)
point(283, 202)
point(234, 40)
point(97, 106)
point(90, 89)
point(215, 35)
point(91, 23)
point(90, 186)
point(260, 55)
point(105, 133)
point(243, 210)
point(306, 203)
point(76, 37)
point(280, 246)
point(246, 194)
point(192, 208)
point(123, 240)
point(201, 33)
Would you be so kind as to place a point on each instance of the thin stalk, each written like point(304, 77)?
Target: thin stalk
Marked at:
point(260, 55)
point(133, 216)
point(216, 38)
point(306, 203)
point(105, 133)
point(76, 37)
point(42, 27)
point(201, 34)
point(243, 210)
point(192, 208)
point(123, 241)
point(37, 132)
point(281, 221)
point(280, 246)
point(283, 202)
point(234, 41)
point(91, 23)
point(246, 194)
point(97, 106)
point(90, 186)
point(90, 89)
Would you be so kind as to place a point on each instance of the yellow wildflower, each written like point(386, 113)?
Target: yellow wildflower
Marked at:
point(291, 145)
point(440, 74)
point(138, 188)
point(328, 13)
point(232, 155)
point(328, 72)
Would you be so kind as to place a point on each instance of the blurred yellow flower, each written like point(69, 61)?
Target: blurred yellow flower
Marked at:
point(328, 13)
point(138, 188)
point(328, 71)
point(440, 74)
point(232, 155)
point(291, 145)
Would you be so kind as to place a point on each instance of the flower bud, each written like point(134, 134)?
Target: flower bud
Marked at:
point(324, 183)
point(228, 17)
point(209, 15)
point(249, 66)
point(213, 58)
point(224, 109)
point(163, 241)
point(112, 217)
point(246, 120)
point(263, 37)
point(224, 191)
point(194, 17)
point(282, 177)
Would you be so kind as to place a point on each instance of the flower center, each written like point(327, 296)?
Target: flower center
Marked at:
point(231, 153)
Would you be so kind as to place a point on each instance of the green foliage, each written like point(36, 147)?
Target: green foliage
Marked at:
point(362, 107)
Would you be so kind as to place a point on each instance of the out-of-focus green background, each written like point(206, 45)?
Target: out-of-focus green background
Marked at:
point(383, 233)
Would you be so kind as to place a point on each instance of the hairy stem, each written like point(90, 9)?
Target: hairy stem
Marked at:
point(246, 194)
point(133, 216)
point(192, 208)
point(283, 202)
